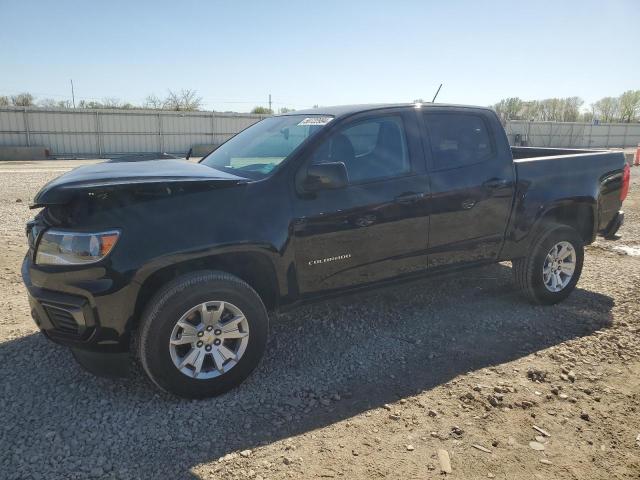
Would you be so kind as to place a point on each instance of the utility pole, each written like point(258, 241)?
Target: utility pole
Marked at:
point(270, 103)
point(73, 97)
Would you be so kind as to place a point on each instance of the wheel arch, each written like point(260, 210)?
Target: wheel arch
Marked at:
point(254, 268)
point(580, 215)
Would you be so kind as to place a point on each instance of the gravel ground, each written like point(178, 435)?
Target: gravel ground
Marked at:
point(370, 386)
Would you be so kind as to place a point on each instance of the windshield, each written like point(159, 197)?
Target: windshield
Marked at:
point(257, 151)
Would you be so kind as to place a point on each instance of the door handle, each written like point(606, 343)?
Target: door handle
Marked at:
point(468, 204)
point(495, 183)
point(408, 198)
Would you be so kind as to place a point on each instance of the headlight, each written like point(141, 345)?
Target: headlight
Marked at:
point(57, 247)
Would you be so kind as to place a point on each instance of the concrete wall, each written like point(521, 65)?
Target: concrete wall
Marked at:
point(104, 133)
point(573, 134)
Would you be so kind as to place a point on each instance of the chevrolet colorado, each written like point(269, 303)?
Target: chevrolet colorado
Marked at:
point(179, 262)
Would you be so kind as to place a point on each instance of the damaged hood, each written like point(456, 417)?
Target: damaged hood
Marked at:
point(119, 175)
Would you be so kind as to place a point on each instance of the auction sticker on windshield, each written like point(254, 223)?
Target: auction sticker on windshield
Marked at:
point(315, 121)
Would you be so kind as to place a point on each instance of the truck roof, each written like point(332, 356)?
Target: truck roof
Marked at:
point(343, 110)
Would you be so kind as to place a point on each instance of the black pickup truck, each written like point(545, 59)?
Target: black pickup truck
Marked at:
point(179, 262)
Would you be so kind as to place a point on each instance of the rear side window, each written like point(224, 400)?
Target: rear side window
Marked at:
point(458, 139)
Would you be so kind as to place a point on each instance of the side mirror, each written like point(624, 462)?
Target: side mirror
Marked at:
point(325, 176)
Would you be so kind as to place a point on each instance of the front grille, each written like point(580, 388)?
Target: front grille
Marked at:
point(62, 320)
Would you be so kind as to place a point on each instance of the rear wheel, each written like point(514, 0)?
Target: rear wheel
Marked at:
point(202, 334)
point(552, 269)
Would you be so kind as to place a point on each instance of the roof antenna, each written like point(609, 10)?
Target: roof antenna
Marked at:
point(437, 92)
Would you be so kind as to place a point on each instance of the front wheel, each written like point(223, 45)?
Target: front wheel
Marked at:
point(202, 334)
point(551, 270)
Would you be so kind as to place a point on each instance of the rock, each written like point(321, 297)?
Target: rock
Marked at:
point(394, 416)
point(481, 448)
point(541, 439)
point(584, 416)
point(456, 431)
point(545, 461)
point(245, 453)
point(445, 462)
point(536, 375)
point(410, 448)
point(536, 446)
point(287, 460)
point(493, 401)
point(540, 430)
point(18, 200)
point(432, 413)
point(571, 376)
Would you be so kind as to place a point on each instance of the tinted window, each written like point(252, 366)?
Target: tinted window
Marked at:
point(370, 149)
point(458, 139)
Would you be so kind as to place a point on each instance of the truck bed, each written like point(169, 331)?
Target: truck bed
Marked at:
point(573, 175)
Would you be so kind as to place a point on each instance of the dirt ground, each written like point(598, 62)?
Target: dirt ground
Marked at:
point(371, 386)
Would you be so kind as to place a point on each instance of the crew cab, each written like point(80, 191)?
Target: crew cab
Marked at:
point(180, 262)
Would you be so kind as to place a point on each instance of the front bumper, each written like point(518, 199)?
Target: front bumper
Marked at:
point(85, 309)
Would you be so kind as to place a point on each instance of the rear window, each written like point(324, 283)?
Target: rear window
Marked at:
point(458, 139)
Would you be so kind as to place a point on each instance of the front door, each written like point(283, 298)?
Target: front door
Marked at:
point(376, 227)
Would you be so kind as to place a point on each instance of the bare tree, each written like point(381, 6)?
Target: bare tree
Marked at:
point(607, 109)
point(509, 108)
point(587, 116)
point(190, 100)
point(629, 105)
point(186, 100)
point(22, 100)
point(4, 101)
point(51, 103)
point(571, 109)
point(111, 102)
point(262, 110)
point(549, 109)
point(153, 102)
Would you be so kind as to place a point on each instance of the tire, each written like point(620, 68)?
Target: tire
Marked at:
point(528, 271)
point(172, 305)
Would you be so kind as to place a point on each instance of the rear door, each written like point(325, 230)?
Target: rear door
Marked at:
point(377, 226)
point(472, 184)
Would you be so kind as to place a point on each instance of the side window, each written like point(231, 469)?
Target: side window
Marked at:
point(458, 139)
point(370, 149)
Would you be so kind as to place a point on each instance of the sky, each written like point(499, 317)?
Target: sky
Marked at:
point(305, 53)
